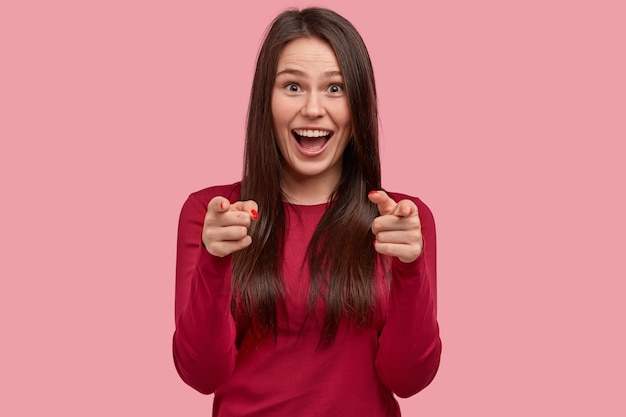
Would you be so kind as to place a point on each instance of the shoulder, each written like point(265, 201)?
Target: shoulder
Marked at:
point(230, 191)
point(426, 215)
point(197, 201)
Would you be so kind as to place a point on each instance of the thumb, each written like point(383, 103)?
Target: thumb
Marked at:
point(386, 205)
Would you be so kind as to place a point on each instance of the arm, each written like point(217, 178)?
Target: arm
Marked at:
point(409, 344)
point(204, 340)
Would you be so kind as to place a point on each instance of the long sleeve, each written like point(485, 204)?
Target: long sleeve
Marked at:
point(409, 344)
point(204, 340)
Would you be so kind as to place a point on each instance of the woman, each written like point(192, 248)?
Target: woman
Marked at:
point(306, 289)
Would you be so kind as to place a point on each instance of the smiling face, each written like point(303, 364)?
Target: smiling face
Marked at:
point(311, 114)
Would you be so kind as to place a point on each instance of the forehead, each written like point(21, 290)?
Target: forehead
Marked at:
point(308, 52)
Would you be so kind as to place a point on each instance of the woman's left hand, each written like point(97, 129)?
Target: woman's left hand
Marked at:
point(398, 229)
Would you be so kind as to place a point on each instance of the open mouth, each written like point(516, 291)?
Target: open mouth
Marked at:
point(312, 139)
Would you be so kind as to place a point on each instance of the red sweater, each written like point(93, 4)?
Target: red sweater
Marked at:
point(356, 376)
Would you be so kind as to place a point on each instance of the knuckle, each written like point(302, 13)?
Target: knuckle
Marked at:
point(241, 232)
point(207, 234)
point(213, 248)
point(416, 235)
point(243, 218)
point(242, 243)
point(414, 221)
point(252, 204)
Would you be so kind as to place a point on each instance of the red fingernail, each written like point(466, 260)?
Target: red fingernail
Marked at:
point(254, 213)
point(222, 205)
point(372, 192)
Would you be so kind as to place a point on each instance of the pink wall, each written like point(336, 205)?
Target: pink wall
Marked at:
point(506, 118)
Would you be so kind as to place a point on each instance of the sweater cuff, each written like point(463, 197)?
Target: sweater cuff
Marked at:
point(213, 267)
point(412, 271)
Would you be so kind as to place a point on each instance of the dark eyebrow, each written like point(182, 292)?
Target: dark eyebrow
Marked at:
point(292, 72)
point(330, 74)
point(299, 73)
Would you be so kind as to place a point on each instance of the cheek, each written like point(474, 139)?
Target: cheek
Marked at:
point(281, 127)
point(277, 108)
point(281, 113)
point(342, 114)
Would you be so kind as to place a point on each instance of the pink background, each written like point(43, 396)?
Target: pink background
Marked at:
point(507, 117)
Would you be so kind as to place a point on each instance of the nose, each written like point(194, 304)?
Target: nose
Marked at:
point(313, 106)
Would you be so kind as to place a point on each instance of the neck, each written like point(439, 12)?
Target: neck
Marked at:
point(307, 190)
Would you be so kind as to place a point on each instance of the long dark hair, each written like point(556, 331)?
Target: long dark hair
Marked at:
point(342, 265)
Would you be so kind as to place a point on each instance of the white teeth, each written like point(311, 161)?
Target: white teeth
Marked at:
point(311, 133)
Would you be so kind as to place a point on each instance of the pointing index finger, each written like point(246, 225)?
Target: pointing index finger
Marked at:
point(219, 204)
point(386, 205)
point(405, 208)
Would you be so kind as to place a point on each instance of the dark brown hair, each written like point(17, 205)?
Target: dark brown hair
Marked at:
point(341, 254)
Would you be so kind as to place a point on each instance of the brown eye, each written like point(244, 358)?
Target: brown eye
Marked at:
point(335, 88)
point(293, 88)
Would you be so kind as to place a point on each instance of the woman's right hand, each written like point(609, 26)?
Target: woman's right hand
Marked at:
point(226, 225)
